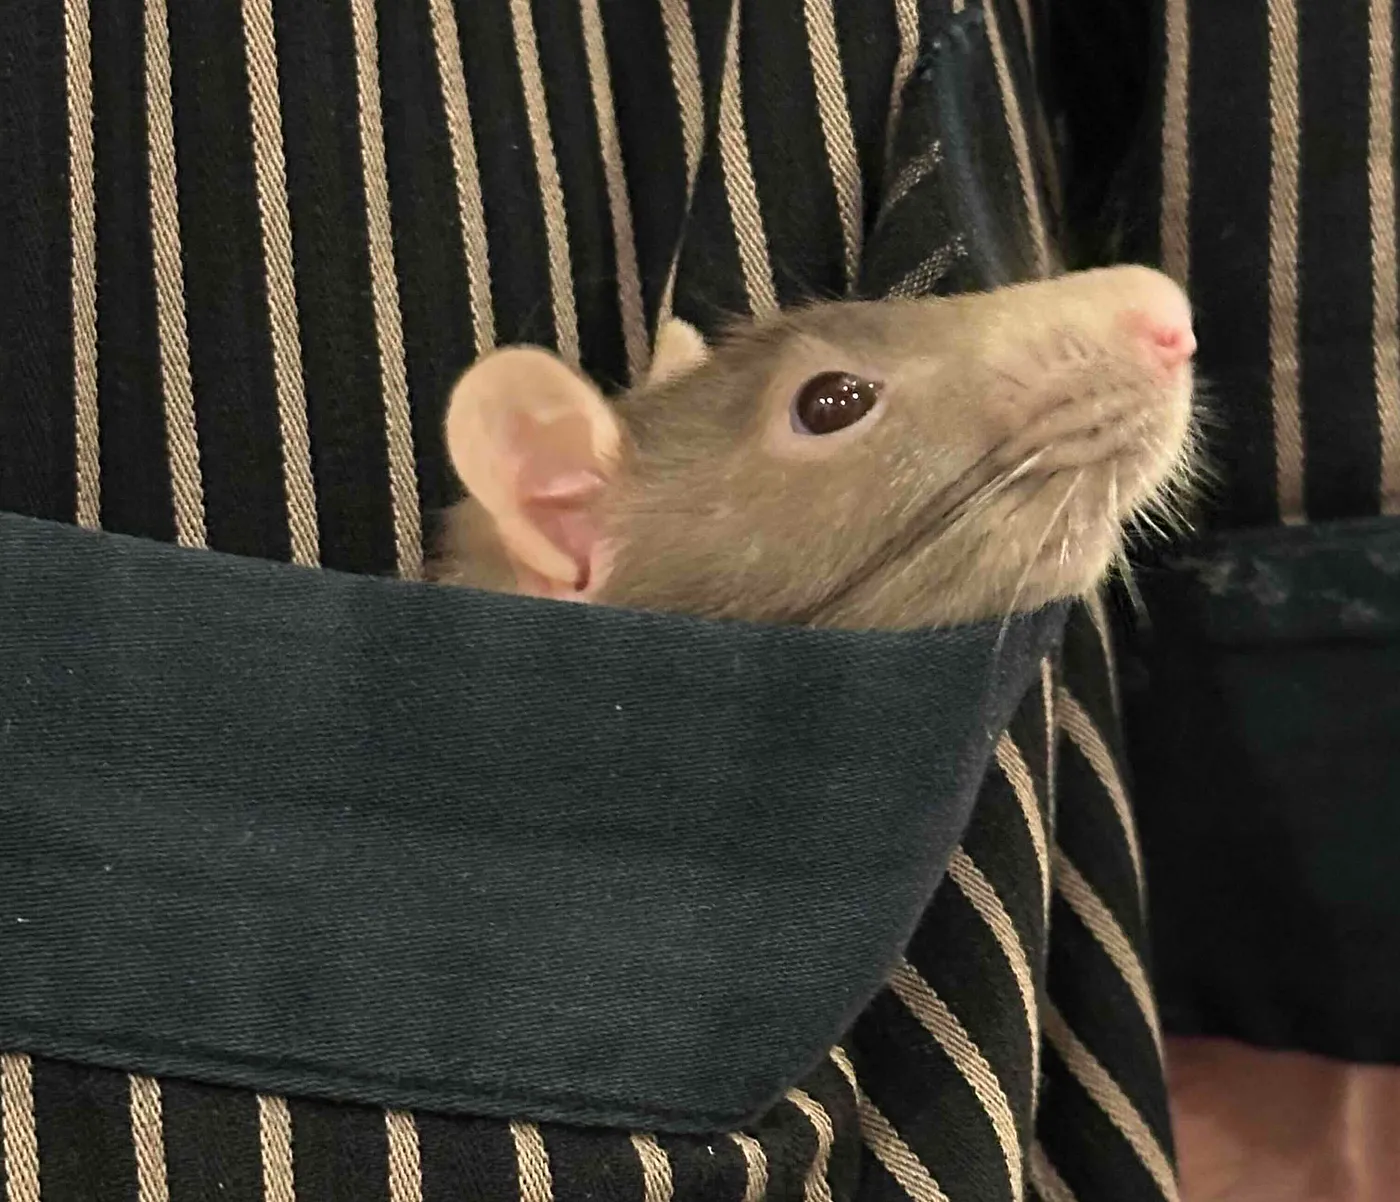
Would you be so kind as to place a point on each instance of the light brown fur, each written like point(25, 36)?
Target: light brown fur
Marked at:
point(1018, 431)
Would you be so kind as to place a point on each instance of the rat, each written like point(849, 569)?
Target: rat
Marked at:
point(889, 464)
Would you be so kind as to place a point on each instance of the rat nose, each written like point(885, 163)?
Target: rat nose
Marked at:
point(1165, 334)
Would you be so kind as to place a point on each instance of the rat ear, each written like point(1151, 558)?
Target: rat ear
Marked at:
point(679, 349)
point(536, 445)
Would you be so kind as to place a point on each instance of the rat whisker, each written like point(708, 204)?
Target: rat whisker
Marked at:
point(1033, 558)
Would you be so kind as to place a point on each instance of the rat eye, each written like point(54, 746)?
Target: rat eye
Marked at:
point(832, 401)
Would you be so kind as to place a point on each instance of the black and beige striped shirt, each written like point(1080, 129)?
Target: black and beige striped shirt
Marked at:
point(247, 246)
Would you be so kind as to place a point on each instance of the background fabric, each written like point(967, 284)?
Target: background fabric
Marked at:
point(247, 247)
point(1256, 163)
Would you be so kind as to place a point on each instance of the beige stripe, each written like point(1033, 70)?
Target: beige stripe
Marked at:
point(405, 1160)
point(629, 283)
point(82, 225)
point(656, 1168)
point(269, 159)
point(1176, 146)
point(471, 216)
point(1385, 302)
point(1111, 1099)
point(1023, 15)
point(824, 52)
point(984, 898)
point(816, 1187)
point(1047, 701)
point(755, 1167)
point(911, 175)
point(1098, 614)
point(384, 286)
point(556, 226)
point(148, 1140)
point(690, 100)
point(921, 278)
point(20, 1136)
point(177, 385)
point(275, 1139)
point(1094, 914)
point(1283, 255)
point(744, 210)
point(1020, 141)
point(1046, 1179)
point(1076, 723)
point(906, 19)
point(886, 1144)
point(1018, 775)
point(939, 1021)
point(532, 1163)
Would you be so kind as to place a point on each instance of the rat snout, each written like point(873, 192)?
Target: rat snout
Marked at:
point(1155, 317)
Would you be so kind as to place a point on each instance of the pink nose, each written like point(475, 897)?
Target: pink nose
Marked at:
point(1168, 338)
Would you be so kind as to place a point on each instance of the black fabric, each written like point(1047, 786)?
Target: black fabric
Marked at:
point(311, 832)
point(1264, 701)
point(937, 1088)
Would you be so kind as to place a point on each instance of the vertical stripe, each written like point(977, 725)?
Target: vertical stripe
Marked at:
point(532, 1163)
point(906, 18)
point(384, 285)
point(1283, 256)
point(755, 1167)
point(275, 1140)
point(461, 136)
point(148, 1140)
point(1018, 775)
point(177, 385)
point(1094, 914)
point(684, 58)
point(933, 1013)
point(270, 165)
point(561, 284)
point(82, 217)
point(1108, 1095)
point(629, 285)
point(1075, 721)
point(1385, 302)
point(886, 1144)
point(739, 185)
point(21, 1142)
point(405, 1161)
point(1016, 127)
point(1047, 702)
point(1176, 145)
point(1046, 1178)
point(834, 108)
point(816, 1186)
point(656, 1168)
point(1027, 22)
point(983, 897)
point(1098, 614)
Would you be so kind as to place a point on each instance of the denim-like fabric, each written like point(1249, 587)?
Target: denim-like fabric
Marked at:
point(1263, 709)
point(338, 835)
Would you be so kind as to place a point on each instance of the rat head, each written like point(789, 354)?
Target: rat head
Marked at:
point(889, 463)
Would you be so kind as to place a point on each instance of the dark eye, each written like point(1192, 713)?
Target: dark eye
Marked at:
point(832, 401)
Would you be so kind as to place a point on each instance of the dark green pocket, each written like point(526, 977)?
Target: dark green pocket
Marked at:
point(1263, 715)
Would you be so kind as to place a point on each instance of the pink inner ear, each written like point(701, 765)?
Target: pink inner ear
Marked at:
point(574, 532)
point(562, 509)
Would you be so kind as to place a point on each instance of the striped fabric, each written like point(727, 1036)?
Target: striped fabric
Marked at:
point(246, 248)
point(1277, 208)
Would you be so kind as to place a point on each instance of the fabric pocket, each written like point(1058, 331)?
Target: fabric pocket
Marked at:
point(416, 846)
point(1263, 718)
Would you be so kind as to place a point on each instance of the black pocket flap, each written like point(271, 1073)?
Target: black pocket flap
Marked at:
point(314, 833)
